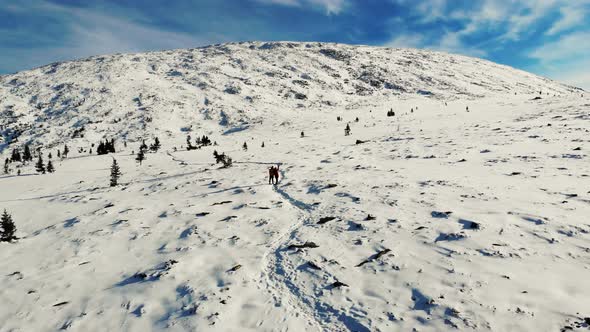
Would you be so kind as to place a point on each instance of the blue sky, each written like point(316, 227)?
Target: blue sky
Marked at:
point(547, 37)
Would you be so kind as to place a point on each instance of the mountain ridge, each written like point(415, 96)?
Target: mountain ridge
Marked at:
point(219, 82)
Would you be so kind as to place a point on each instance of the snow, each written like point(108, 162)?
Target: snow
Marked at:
point(443, 218)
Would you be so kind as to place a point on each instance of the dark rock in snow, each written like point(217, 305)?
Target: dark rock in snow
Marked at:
point(437, 214)
point(235, 268)
point(313, 265)
point(450, 237)
point(221, 203)
point(468, 224)
point(324, 220)
point(301, 246)
point(337, 284)
point(61, 303)
point(374, 257)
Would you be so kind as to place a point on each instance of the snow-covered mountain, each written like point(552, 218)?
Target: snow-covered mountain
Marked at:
point(466, 210)
point(236, 85)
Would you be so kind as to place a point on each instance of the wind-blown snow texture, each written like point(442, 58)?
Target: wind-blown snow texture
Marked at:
point(440, 218)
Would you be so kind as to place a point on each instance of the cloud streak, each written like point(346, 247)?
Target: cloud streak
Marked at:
point(331, 7)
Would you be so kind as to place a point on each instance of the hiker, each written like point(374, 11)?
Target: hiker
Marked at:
point(271, 174)
point(276, 174)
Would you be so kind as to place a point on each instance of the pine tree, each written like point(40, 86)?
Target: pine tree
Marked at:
point(100, 149)
point(227, 161)
point(15, 155)
point(115, 173)
point(39, 166)
point(205, 140)
point(140, 156)
point(189, 144)
point(302, 134)
point(27, 156)
point(143, 147)
point(156, 146)
point(50, 167)
point(49, 155)
point(262, 145)
point(7, 228)
point(245, 146)
point(58, 153)
point(222, 158)
point(66, 151)
point(347, 130)
point(6, 168)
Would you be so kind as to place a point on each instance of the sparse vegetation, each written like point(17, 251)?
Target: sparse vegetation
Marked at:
point(7, 228)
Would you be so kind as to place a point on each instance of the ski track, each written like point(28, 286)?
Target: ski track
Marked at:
point(277, 281)
point(273, 274)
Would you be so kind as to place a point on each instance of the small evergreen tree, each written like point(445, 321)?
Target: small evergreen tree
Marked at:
point(222, 158)
point(189, 144)
point(140, 156)
point(111, 146)
point(100, 149)
point(347, 130)
point(115, 173)
point(27, 156)
point(50, 167)
point(6, 166)
point(143, 147)
point(156, 146)
point(245, 146)
point(16, 155)
point(58, 153)
point(7, 228)
point(49, 155)
point(40, 166)
point(227, 161)
point(262, 145)
point(66, 151)
point(205, 140)
point(302, 134)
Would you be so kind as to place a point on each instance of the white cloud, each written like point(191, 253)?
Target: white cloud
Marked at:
point(566, 59)
point(569, 47)
point(571, 16)
point(330, 6)
point(574, 75)
point(89, 32)
point(406, 40)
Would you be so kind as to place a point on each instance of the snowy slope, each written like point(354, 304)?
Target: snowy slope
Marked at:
point(235, 84)
point(479, 218)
